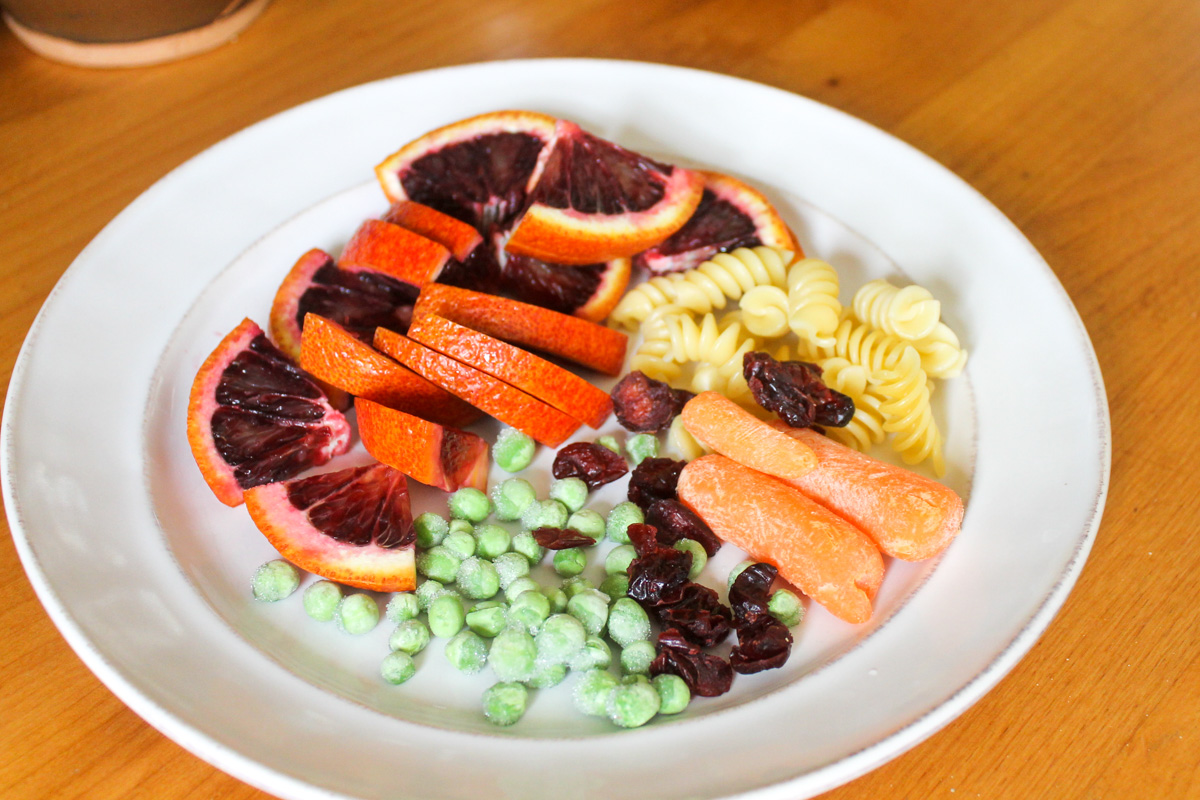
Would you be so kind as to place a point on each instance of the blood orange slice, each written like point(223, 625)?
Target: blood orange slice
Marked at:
point(255, 418)
point(353, 526)
point(395, 251)
point(589, 291)
point(474, 264)
point(436, 455)
point(360, 300)
point(592, 201)
point(730, 215)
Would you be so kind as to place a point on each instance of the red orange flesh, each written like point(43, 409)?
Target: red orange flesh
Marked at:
point(823, 555)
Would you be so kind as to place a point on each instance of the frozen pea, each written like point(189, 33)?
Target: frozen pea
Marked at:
point(411, 636)
point(513, 450)
point(786, 607)
point(529, 610)
point(358, 613)
point(440, 563)
point(520, 585)
point(467, 652)
point(636, 658)
point(470, 504)
point(558, 599)
point(633, 703)
point(397, 667)
point(431, 529)
point(461, 526)
point(673, 693)
point(628, 622)
point(504, 703)
point(478, 579)
point(446, 615)
point(592, 691)
point(487, 619)
point(642, 446)
point(587, 522)
point(321, 600)
point(491, 541)
point(591, 608)
point(569, 562)
point(618, 559)
point(615, 585)
point(576, 584)
point(560, 640)
point(571, 492)
point(509, 567)
point(547, 675)
point(526, 545)
point(620, 518)
point(402, 606)
point(511, 497)
point(512, 655)
point(737, 570)
point(610, 442)
point(596, 654)
point(699, 557)
point(459, 543)
point(544, 514)
point(275, 580)
point(428, 590)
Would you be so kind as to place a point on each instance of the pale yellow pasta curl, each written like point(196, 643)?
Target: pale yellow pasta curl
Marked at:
point(711, 285)
point(866, 427)
point(859, 344)
point(941, 354)
point(907, 413)
point(813, 307)
point(909, 313)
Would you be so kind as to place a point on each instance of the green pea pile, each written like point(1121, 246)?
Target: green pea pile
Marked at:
point(478, 594)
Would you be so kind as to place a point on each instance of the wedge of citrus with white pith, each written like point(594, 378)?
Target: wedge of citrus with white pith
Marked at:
point(254, 417)
point(592, 200)
point(353, 526)
point(730, 215)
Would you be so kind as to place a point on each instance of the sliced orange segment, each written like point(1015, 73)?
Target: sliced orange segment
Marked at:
point(395, 251)
point(433, 454)
point(506, 403)
point(455, 235)
point(823, 555)
point(331, 353)
point(560, 388)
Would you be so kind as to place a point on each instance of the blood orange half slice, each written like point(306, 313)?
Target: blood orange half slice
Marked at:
point(730, 215)
point(592, 201)
point(589, 291)
point(254, 417)
point(353, 526)
point(436, 455)
point(360, 300)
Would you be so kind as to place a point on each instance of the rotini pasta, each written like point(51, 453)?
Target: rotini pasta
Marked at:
point(941, 354)
point(683, 442)
point(812, 301)
point(866, 427)
point(906, 412)
point(765, 310)
point(859, 344)
point(708, 287)
point(909, 313)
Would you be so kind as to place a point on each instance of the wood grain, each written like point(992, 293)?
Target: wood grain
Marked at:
point(1080, 120)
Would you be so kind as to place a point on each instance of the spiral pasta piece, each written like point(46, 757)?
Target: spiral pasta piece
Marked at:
point(652, 356)
point(909, 313)
point(813, 309)
point(765, 310)
point(859, 344)
point(709, 286)
point(907, 413)
point(941, 354)
point(866, 427)
point(705, 341)
point(683, 442)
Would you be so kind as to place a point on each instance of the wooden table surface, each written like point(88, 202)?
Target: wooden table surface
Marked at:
point(1080, 119)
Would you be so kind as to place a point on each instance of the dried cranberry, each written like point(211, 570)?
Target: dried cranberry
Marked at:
point(698, 615)
point(750, 592)
point(676, 521)
point(658, 578)
point(594, 463)
point(705, 675)
point(794, 390)
point(561, 538)
point(762, 644)
point(643, 405)
point(644, 538)
point(654, 479)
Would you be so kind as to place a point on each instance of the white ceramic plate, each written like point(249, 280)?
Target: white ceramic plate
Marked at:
point(146, 574)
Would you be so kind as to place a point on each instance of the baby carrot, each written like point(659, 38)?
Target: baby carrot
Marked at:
point(722, 425)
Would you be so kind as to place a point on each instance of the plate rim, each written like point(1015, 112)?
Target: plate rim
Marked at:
point(269, 779)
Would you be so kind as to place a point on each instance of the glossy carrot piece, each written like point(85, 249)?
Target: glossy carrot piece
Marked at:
point(577, 340)
point(725, 427)
point(510, 405)
point(561, 388)
point(909, 516)
point(823, 555)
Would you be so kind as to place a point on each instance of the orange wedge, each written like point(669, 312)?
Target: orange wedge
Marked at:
point(436, 455)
